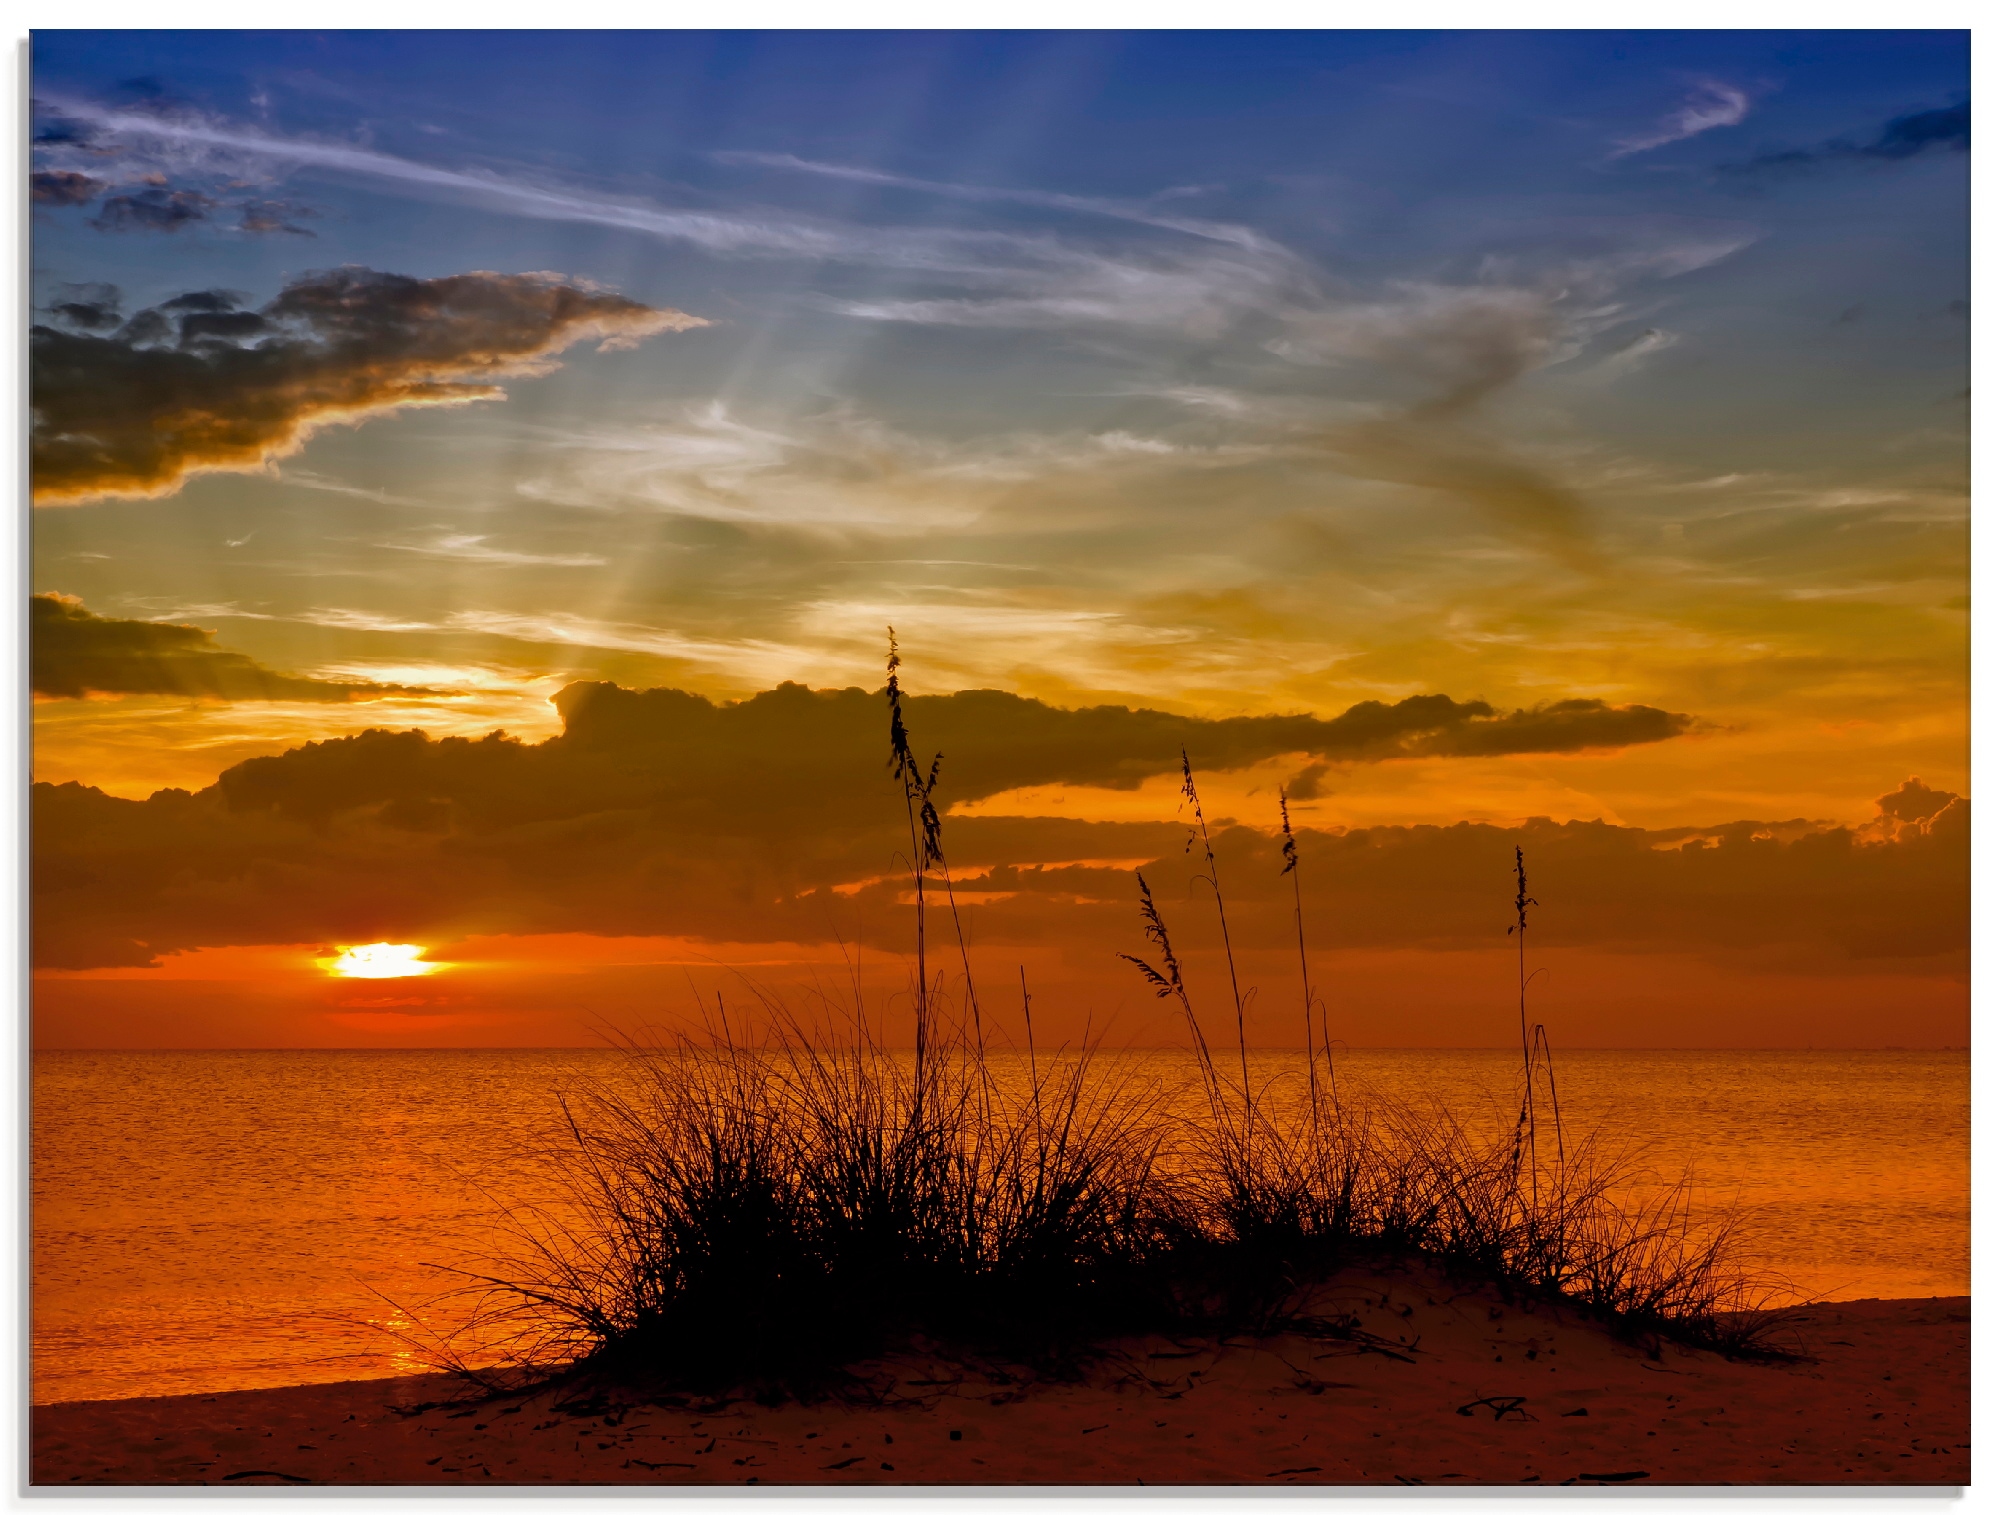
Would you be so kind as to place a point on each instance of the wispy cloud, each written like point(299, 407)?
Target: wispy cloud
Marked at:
point(753, 657)
point(204, 141)
point(840, 470)
point(467, 548)
point(1710, 104)
point(1090, 205)
point(1195, 280)
point(998, 277)
point(306, 479)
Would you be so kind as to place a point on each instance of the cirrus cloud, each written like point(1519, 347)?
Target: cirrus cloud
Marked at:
point(1708, 105)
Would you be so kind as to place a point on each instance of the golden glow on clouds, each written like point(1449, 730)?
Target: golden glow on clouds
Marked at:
point(133, 746)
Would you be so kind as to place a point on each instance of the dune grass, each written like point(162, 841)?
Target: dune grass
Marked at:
point(772, 1210)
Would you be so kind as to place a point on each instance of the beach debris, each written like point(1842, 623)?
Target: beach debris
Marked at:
point(1503, 1406)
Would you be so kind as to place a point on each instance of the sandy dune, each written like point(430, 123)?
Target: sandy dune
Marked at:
point(1466, 1389)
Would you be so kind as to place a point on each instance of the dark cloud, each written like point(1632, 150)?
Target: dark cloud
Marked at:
point(1916, 809)
point(84, 316)
point(1906, 136)
point(72, 166)
point(389, 836)
point(178, 389)
point(994, 740)
point(1948, 129)
point(63, 187)
point(225, 327)
point(1310, 783)
point(653, 812)
point(205, 301)
point(88, 307)
point(1914, 801)
point(75, 653)
point(54, 129)
point(1561, 726)
point(153, 209)
point(269, 217)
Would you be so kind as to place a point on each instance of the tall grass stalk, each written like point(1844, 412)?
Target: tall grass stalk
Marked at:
point(1525, 1126)
point(1291, 855)
point(1213, 878)
point(925, 828)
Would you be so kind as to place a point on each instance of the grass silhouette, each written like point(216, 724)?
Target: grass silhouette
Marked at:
point(770, 1211)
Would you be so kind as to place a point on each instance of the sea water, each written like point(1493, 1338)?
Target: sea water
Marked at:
point(206, 1221)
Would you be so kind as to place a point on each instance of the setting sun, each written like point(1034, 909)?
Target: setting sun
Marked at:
point(382, 960)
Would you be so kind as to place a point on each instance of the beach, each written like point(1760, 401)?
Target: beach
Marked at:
point(1440, 1385)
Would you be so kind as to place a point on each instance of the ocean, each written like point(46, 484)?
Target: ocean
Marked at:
point(205, 1221)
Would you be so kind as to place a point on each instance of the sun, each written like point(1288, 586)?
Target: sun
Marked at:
point(382, 960)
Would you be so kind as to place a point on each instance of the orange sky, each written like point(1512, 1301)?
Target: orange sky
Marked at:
point(1586, 474)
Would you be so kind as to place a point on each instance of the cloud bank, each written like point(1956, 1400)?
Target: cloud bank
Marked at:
point(657, 810)
point(197, 384)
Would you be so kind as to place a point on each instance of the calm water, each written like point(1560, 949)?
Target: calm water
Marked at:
point(225, 1220)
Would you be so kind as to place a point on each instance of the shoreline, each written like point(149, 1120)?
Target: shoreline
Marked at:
point(1452, 1386)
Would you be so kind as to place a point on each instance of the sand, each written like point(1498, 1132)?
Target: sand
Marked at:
point(1463, 1389)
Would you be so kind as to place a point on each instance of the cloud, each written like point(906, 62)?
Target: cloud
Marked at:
point(995, 740)
point(1708, 105)
point(153, 210)
point(75, 653)
point(88, 307)
point(469, 548)
point(1920, 131)
point(1309, 783)
point(63, 187)
point(195, 384)
point(54, 129)
point(1559, 726)
point(1464, 345)
point(150, 190)
point(1947, 129)
point(657, 805)
point(1916, 809)
point(1633, 351)
point(1091, 205)
point(1440, 359)
point(265, 217)
point(992, 277)
point(775, 820)
point(1914, 801)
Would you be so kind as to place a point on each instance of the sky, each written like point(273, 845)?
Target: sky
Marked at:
point(1544, 440)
